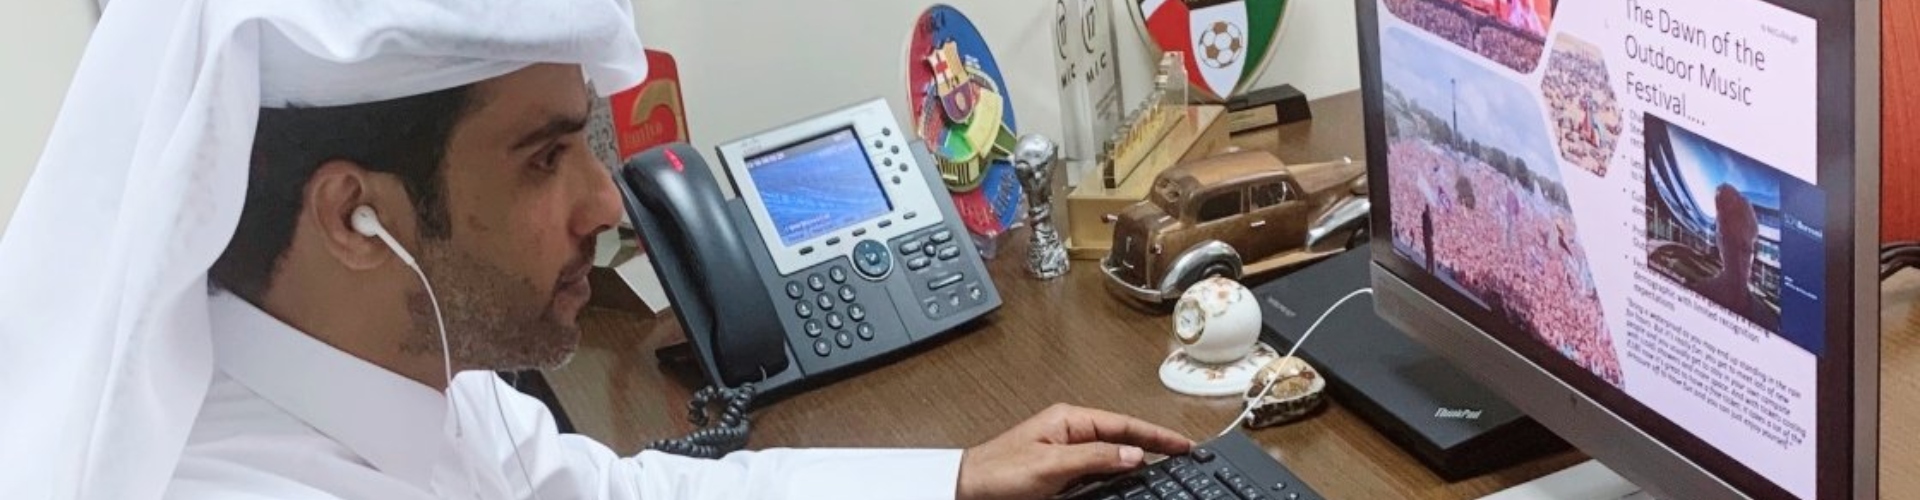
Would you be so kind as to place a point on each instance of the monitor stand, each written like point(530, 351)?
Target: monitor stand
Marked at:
point(1588, 481)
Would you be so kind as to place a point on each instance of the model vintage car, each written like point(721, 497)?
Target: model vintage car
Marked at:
point(1233, 215)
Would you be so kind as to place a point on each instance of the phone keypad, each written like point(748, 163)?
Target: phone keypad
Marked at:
point(942, 284)
point(834, 320)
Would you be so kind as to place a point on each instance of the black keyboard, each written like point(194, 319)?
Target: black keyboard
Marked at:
point(1230, 467)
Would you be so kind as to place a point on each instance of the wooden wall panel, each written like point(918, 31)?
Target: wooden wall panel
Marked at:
point(1900, 120)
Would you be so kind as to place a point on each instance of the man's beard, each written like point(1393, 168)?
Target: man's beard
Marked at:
point(495, 320)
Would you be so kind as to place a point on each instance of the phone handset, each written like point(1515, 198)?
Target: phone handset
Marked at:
point(704, 265)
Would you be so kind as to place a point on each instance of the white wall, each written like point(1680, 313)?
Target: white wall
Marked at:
point(749, 65)
point(40, 45)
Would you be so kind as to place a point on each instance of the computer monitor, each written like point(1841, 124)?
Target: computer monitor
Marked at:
point(1651, 224)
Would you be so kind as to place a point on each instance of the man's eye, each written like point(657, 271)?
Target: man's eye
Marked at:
point(550, 159)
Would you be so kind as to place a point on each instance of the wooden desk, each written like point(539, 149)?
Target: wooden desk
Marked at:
point(1067, 340)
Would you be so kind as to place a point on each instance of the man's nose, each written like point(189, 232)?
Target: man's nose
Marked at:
point(601, 205)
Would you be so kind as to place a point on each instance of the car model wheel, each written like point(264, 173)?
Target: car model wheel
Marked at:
point(1221, 269)
point(1360, 236)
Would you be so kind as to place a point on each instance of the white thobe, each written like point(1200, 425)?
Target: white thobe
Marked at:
point(290, 417)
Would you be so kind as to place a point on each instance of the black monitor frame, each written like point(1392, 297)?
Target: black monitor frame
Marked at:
point(1605, 422)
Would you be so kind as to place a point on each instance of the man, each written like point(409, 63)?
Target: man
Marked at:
point(1426, 236)
point(1739, 233)
point(222, 329)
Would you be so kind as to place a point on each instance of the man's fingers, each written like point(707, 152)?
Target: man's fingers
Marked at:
point(1080, 460)
point(1089, 425)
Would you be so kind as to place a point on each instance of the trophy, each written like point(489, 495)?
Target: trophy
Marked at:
point(1033, 161)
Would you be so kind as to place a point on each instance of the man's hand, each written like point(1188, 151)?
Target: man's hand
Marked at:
point(1043, 455)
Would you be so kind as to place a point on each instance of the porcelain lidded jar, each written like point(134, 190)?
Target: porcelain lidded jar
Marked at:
point(1217, 321)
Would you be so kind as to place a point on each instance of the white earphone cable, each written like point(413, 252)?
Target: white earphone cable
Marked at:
point(1255, 400)
point(446, 359)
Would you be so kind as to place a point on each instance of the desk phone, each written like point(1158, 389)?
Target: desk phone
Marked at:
point(839, 247)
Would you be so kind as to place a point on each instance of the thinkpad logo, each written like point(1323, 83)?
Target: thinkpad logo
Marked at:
point(1459, 414)
point(1279, 306)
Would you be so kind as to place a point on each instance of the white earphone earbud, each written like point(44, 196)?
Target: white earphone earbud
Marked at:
point(367, 223)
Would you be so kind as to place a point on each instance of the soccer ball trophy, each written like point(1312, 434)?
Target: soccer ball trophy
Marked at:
point(1033, 159)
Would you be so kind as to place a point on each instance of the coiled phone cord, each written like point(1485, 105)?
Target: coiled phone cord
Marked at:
point(726, 436)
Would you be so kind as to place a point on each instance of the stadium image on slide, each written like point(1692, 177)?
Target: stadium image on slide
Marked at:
point(1509, 32)
point(1477, 199)
point(818, 186)
point(1717, 224)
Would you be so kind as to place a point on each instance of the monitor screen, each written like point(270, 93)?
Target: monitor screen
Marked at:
point(1633, 194)
point(818, 186)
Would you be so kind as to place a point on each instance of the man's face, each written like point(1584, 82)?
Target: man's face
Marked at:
point(524, 197)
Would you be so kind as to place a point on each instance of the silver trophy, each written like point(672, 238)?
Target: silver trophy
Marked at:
point(1033, 160)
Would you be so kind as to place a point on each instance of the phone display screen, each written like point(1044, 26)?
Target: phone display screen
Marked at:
point(818, 186)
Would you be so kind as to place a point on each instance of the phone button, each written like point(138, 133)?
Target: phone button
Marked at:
point(942, 236)
point(837, 274)
point(834, 321)
point(843, 339)
point(933, 250)
point(910, 215)
point(917, 263)
point(949, 253)
point(933, 308)
point(825, 302)
point(793, 290)
point(910, 248)
point(833, 241)
point(806, 250)
point(814, 282)
point(858, 232)
point(865, 331)
point(871, 259)
point(846, 294)
point(885, 223)
point(855, 312)
point(805, 311)
point(946, 281)
point(821, 348)
point(813, 328)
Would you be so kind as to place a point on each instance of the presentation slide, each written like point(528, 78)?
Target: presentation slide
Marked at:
point(818, 186)
point(1630, 183)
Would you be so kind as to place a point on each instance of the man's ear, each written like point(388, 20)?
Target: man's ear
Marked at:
point(337, 188)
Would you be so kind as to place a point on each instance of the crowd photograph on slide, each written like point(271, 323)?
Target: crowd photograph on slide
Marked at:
point(1586, 115)
point(1509, 32)
point(1477, 200)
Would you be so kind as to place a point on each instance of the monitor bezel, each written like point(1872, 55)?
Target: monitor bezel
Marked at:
point(1603, 421)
